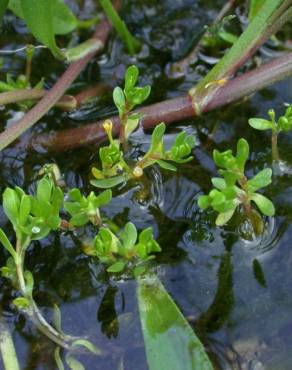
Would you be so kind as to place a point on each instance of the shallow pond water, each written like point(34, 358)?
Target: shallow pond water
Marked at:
point(236, 294)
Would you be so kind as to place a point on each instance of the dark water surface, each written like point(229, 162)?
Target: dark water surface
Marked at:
point(243, 317)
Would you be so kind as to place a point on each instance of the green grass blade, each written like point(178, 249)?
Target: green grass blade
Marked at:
point(254, 8)
point(132, 43)
point(272, 13)
point(7, 348)
point(170, 342)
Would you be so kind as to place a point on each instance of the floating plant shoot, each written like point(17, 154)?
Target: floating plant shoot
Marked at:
point(234, 189)
point(283, 124)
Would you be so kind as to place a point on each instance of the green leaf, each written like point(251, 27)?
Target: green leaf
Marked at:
point(117, 267)
point(57, 318)
point(157, 136)
point(165, 165)
point(223, 159)
point(119, 100)
point(44, 190)
point(103, 198)
point(260, 180)
point(129, 236)
point(219, 183)
point(224, 217)
point(242, 153)
point(3, 6)
point(79, 219)
point(54, 222)
point(88, 345)
point(73, 208)
point(131, 77)
point(131, 126)
point(204, 201)
point(139, 270)
point(169, 340)
point(139, 94)
point(39, 15)
point(6, 244)
point(24, 209)
point(11, 203)
point(109, 182)
point(29, 280)
point(64, 21)
point(264, 204)
point(74, 364)
point(21, 303)
point(40, 208)
point(58, 359)
point(260, 124)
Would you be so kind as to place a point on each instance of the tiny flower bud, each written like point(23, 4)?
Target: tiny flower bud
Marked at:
point(138, 171)
point(108, 126)
point(272, 114)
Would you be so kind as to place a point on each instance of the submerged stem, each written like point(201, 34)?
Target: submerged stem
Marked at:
point(33, 311)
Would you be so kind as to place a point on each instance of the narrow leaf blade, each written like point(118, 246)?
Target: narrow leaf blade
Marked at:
point(169, 340)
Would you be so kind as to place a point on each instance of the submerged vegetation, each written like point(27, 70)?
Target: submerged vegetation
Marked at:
point(119, 249)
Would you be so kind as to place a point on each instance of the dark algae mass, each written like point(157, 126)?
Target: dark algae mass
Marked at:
point(146, 185)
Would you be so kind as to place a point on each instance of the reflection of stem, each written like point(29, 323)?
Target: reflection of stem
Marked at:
point(275, 151)
point(220, 309)
point(33, 311)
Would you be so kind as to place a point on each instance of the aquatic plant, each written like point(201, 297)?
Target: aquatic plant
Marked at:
point(126, 252)
point(115, 168)
point(235, 189)
point(284, 124)
point(33, 217)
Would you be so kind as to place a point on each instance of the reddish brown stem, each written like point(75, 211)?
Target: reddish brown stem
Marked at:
point(49, 100)
point(174, 110)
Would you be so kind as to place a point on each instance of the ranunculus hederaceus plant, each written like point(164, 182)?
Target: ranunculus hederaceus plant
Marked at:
point(115, 169)
point(234, 189)
point(33, 217)
point(284, 124)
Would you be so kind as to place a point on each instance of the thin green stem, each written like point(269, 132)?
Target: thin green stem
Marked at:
point(132, 43)
point(275, 151)
point(33, 311)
